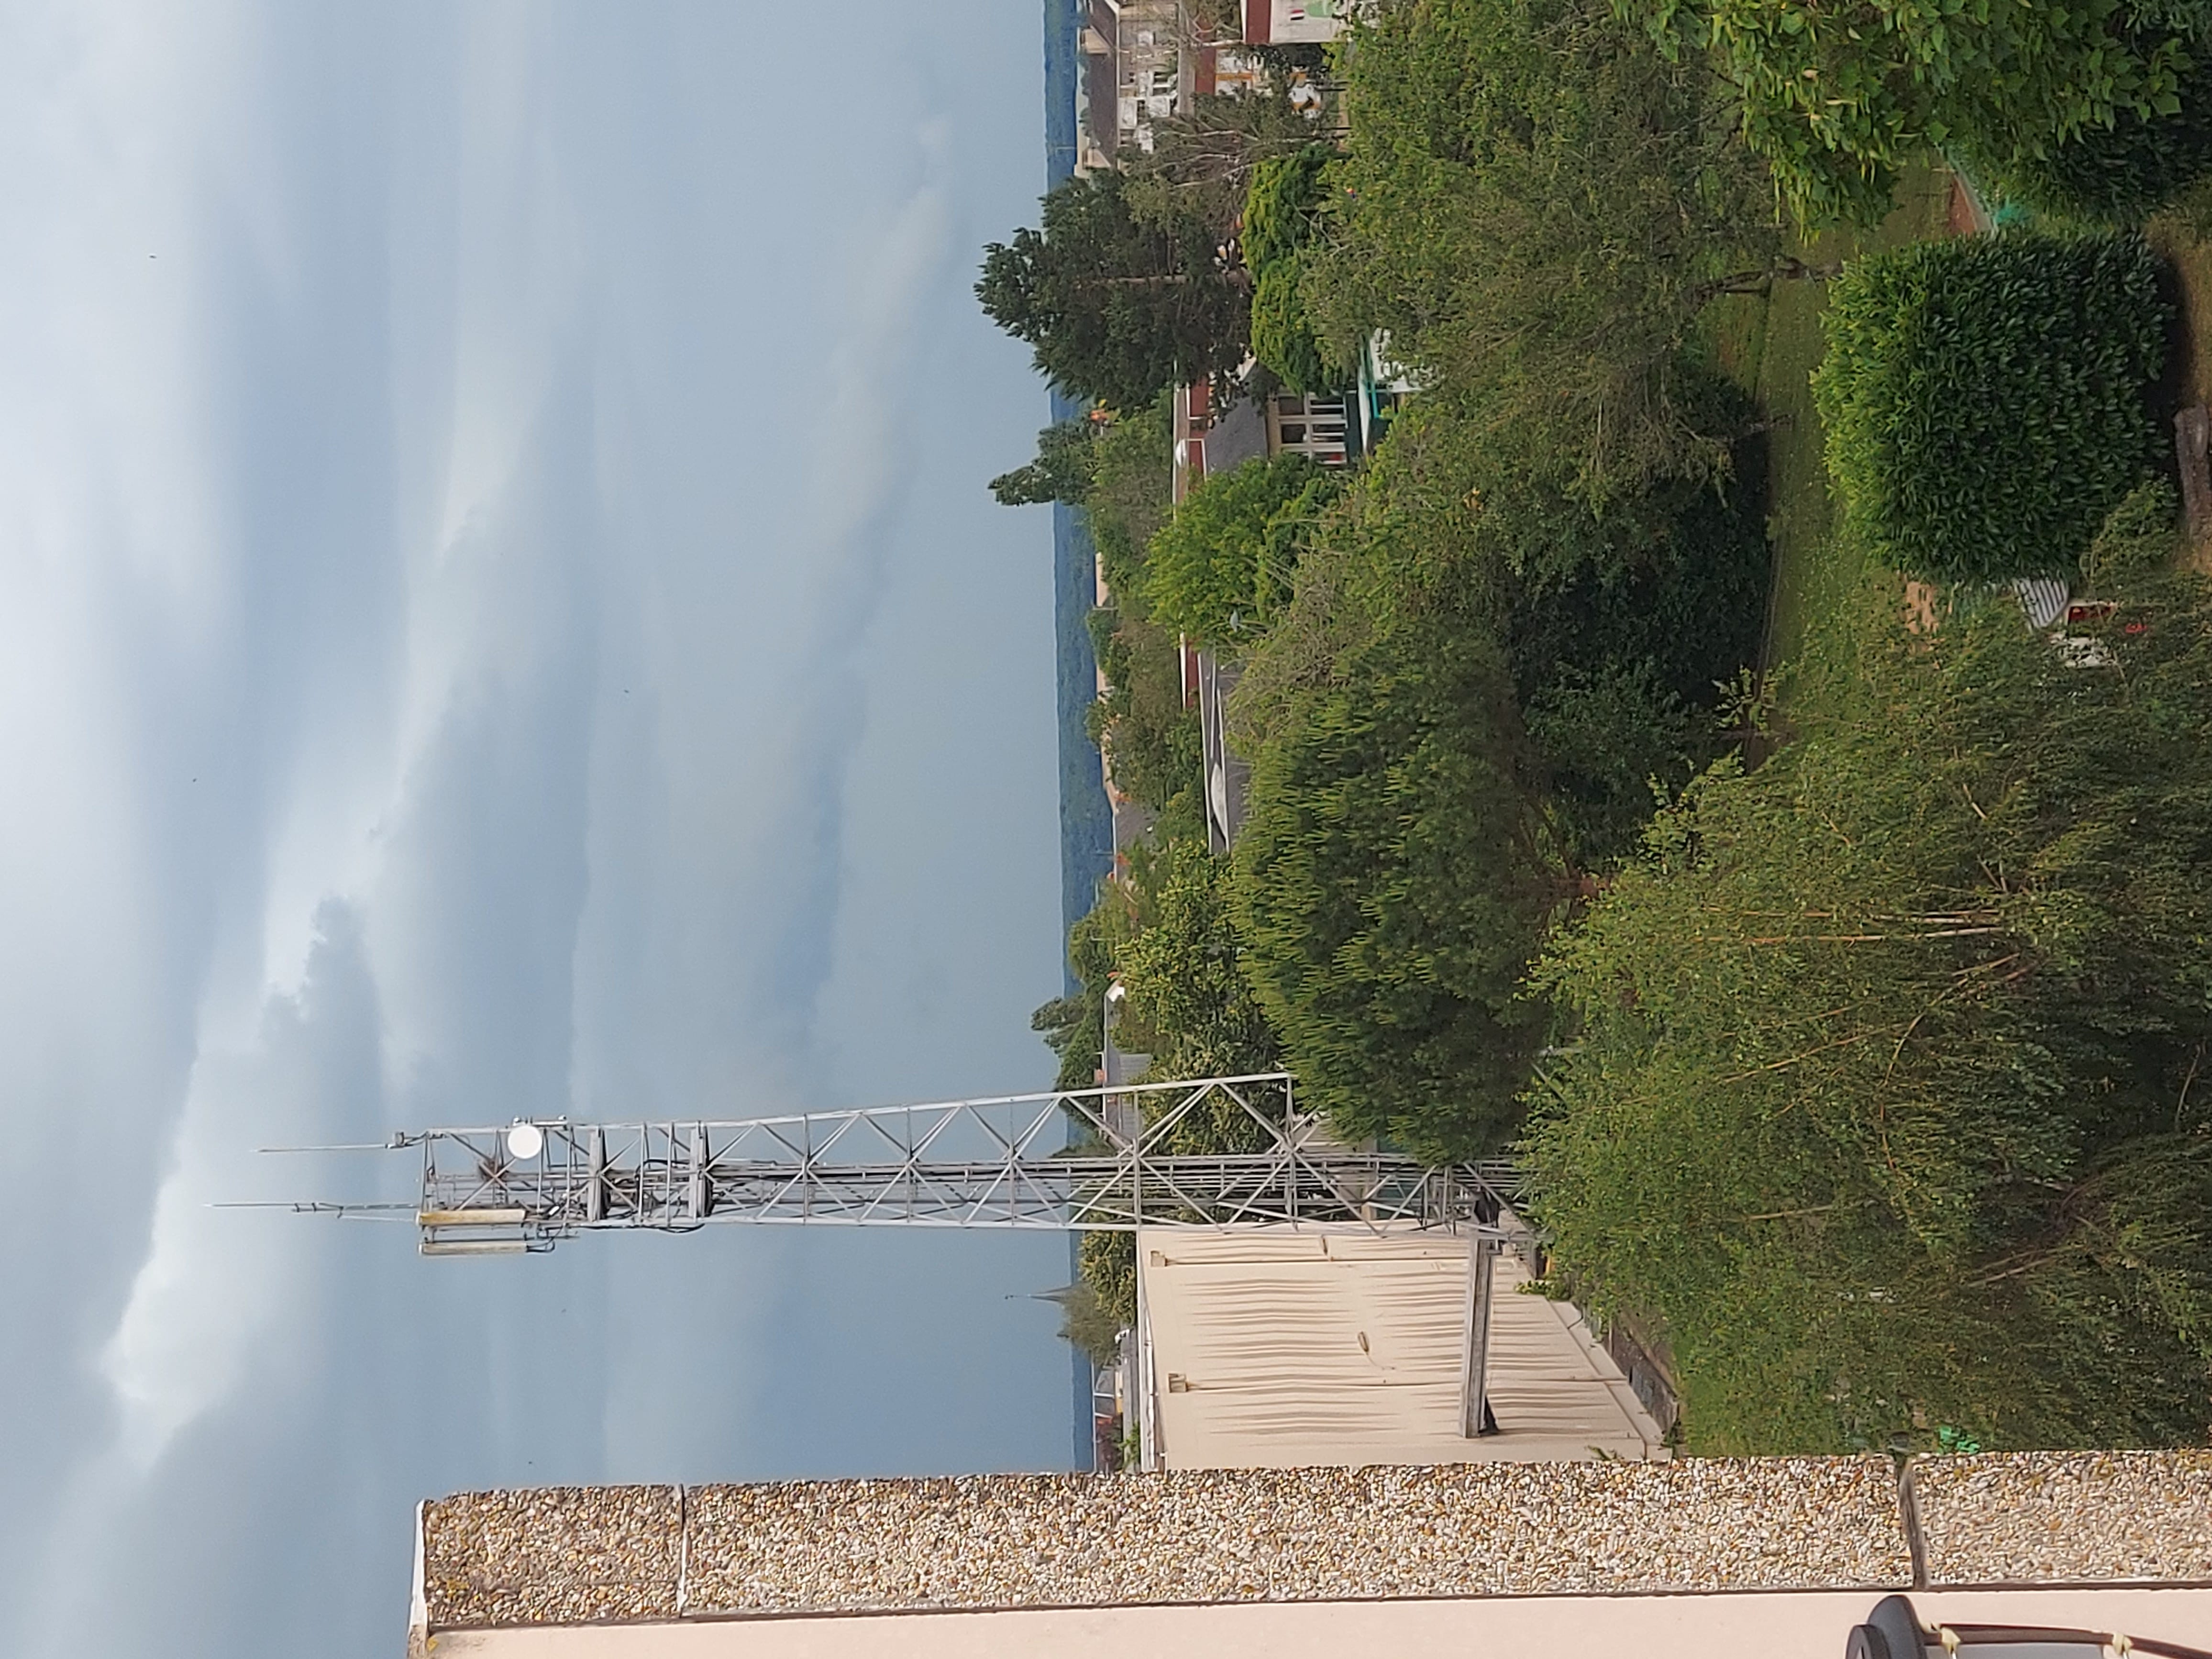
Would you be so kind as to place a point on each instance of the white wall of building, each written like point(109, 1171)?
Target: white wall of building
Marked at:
point(1804, 1625)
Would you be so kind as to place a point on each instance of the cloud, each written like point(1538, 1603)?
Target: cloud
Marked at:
point(209, 1286)
point(861, 467)
point(451, 598)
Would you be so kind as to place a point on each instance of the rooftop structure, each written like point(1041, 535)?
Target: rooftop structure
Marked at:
point(1065, 1160)
point(1293, 1562)
point(1273, 1348)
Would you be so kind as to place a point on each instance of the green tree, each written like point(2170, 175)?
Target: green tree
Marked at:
point(1203, 158)
point(1087, 1323)
point(1839, 97)
point(2122, 173)
point(1066, 467)
point(1880, 1090)
point(1148, 732)
point(1395, 873)
point(1535, 206)
point(1282, 213)
point(1283, 207)
point(1073, 1026)
point(1117, 308)
point(1108, 1262)
point(1282, 338)
point(1188, 1003)
point(1223, 564)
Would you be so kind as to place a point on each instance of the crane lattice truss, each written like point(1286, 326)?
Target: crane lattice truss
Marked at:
point(1088, 1159)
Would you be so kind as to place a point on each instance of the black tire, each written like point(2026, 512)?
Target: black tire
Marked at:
point(1892, 1631)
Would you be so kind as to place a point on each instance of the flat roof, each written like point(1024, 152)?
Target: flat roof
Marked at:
point(1283, 1348)
point(563, 1557)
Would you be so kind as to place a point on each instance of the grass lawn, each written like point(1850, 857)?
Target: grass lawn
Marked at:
point(1770, 346)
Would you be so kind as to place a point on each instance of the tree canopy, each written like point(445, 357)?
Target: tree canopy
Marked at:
point(1066, 465)
point(1204, 157)
point(1839, 97)
point(1394, 871)
point(1223, 564)
point(1118, 308)
point(1882, 1095)
point(1535, 206)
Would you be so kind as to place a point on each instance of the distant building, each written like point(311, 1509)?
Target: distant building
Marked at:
point(1294, 22)
point(1136, 71)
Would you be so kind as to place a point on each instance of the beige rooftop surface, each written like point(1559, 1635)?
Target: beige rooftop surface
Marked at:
point(1275, 1348)
point(1807, 1624)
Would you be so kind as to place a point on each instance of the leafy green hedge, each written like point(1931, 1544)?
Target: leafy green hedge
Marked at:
point(1986, 398)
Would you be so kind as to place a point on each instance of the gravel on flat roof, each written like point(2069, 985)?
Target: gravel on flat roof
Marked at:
point(2066, 1517)
point(1228, 1535)
point(554, 1555)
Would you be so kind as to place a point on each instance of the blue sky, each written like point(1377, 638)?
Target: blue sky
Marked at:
point(498, 613)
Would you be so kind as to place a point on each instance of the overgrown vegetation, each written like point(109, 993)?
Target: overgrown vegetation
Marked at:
point(1535, 207)
point(1881, 1090)
point(1839, 99)
point(1986, 399)
point(1854, 1049)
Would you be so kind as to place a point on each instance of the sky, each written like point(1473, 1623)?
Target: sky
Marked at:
point(498, 615)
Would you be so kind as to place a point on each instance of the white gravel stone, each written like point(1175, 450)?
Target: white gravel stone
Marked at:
point(1262, 1534)
point(2066, 1517)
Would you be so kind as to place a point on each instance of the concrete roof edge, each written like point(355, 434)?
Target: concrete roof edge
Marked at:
point(418, 1604)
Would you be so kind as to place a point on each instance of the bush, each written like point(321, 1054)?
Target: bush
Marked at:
point(1222, 565)
point(1986, 398)
point(1282, 205)
point(1282, 211)
point(1282, 331)
point(2119, 174)
point(1884, 1096)
point(1393, 877)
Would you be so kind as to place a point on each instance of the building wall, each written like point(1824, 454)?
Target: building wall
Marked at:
point(1294, 22)
point(1800, 1625)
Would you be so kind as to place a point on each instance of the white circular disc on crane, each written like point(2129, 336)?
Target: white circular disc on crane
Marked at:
point(525, 1141)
